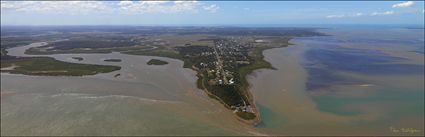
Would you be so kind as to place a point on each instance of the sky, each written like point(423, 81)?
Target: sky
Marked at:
point(210, 12)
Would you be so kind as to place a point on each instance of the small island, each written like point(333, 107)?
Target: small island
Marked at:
point(156, 62)
point(112, 60)
point(78, 58)
point(47, 66)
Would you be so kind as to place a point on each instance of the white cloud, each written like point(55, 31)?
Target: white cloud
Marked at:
point(125, 3)
point(69, 7)
point(75, 7)
point(404, 4)
point(211, 8)
point(164, 6)
point(151, 6)
point(382, 13)
point(335, 16)
point(180, 6)
point(7, 5)
point(358, 14)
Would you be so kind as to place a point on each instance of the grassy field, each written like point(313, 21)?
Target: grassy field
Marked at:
point(50, 67)
point(156, 62)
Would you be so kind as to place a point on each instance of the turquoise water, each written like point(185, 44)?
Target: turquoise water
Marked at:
point(406, 102)
point(362, 81)
point(269, 118)
point(381, 58)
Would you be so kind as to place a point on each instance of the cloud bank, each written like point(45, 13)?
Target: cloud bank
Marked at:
point(404, 4)
point(55, 6)
point(128, 7)
point(382, 13)
point(359, 14)
point(211, 8)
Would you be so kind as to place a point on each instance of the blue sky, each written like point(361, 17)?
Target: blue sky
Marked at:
point(210, 12)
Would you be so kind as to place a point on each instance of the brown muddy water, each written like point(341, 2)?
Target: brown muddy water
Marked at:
point(143, 100)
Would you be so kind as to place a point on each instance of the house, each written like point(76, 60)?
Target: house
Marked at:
point(231, 81)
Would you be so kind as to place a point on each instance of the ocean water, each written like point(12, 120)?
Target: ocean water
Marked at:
point(353, 82)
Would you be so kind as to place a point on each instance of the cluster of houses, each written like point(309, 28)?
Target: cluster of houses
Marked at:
point(242, 108)
point(228, 54)
point(220, 63)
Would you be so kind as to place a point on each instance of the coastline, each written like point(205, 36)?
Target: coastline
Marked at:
point(248, 86)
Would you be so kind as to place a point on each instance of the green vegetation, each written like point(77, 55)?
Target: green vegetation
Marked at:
point(47, 66)
point(200, 81)
point(5, 64)
point(222, 70)
point(156, 62)
point(230, 94)
point(89, 43)
point(78, 58)
point(246, 115)
point(3, 52)
point(112, 60)
point(257, 62)
point(15, 41)
point(155, 52)
point(43, 51)
point(40, 51)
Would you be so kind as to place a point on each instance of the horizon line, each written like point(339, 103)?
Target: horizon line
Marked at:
point(188, 25)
